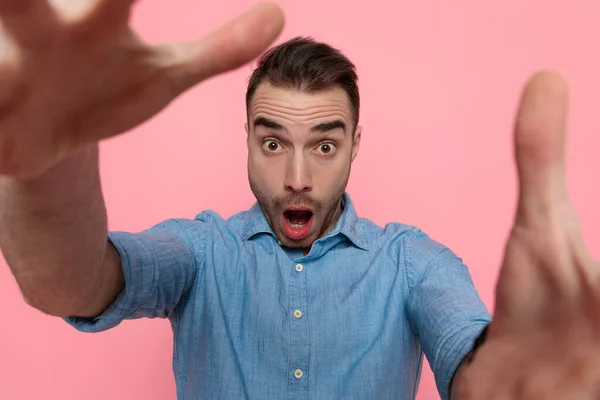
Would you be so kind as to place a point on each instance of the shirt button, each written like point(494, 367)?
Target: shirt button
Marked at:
point(298, 373)
point(299, 267)
point(279, 242)
point(298, 314)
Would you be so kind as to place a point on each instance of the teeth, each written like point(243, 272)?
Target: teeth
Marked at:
point(296, 226)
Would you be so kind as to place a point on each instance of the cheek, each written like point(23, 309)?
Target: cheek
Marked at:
point(331, 175)
point(265, 171)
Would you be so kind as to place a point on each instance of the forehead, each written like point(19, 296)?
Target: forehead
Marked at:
point(294, 104)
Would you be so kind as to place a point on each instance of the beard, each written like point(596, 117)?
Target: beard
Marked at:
point(326, 212)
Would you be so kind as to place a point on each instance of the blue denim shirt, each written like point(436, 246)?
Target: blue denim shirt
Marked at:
point(253, 320)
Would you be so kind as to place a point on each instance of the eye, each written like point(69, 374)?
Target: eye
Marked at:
point(272, 146)
point(326, 148)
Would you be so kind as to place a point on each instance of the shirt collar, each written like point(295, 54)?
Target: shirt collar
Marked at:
point(348, 224)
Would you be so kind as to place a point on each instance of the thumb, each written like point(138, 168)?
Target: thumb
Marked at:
point(231, 46)
point(540, 136)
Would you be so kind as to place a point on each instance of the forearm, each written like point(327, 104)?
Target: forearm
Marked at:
point(455, 388)
point(53, 236)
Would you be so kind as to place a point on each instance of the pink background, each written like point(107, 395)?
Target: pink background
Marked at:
point(440, 82)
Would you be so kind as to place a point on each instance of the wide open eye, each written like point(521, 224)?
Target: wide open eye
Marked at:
point(272, 146)
point(326, 148)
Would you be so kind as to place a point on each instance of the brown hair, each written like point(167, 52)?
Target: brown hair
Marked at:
point(304, 64)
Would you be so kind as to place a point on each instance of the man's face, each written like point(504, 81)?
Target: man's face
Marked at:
point(300, 148)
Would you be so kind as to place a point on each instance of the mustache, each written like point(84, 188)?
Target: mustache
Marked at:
point(301, 199)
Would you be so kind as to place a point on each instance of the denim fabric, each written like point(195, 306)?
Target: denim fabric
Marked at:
point(254, 320)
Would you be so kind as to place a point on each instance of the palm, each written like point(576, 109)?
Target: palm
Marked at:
point(72, 76)
point(544, 341)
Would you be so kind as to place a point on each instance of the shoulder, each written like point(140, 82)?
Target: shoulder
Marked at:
point(206, 219)
point(416, 251)
point(188, 226)
point(399, 236)
point(208, 225)
point(193, 230)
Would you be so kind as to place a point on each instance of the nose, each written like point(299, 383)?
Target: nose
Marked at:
point(298, 177)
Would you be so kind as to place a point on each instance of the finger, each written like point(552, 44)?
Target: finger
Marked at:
point(107, 16)
point(114, 9)
point(540, 136)
point(29, 22)
point(113, 6)
point(229, 47)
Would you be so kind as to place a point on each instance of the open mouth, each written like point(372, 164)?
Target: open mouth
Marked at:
point(297, 223)
point(298, 218)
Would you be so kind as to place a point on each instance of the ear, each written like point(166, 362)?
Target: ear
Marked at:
point(246, 127)
point(356, 142)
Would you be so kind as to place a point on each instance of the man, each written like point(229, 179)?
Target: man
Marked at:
point(296, 297)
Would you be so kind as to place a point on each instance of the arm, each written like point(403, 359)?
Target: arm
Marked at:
point(66, 264)
point(543, 342)
point(444, 308)
point(66, 84)
point(54, 238)
point(456, 392)
point(455, 384)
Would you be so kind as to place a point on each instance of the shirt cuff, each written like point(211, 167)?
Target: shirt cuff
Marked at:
point(138, 264)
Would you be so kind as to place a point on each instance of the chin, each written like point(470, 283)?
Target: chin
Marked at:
point(305, 243)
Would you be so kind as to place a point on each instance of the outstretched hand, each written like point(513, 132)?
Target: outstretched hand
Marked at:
point(544, 340)
point(73, 72)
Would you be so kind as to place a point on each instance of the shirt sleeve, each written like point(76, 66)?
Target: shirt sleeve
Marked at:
point(444, 307)
point(159, 268)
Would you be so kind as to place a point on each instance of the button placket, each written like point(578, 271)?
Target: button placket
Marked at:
point(299, 333)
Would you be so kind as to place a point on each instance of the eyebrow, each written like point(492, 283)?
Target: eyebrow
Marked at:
point(268, 123)
point(320, 128)
point(329, 126)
